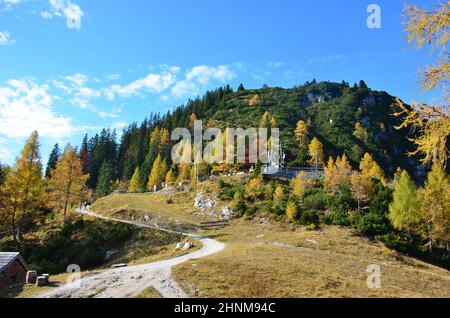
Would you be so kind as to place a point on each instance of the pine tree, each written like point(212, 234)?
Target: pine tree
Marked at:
point(85, 155)
point(404, 211)
point(316, 153)
point(435, 197)
point(257, 171)
point(52, 161)
point(67, 185)
point(135, 183)
point(238, 203)
point(104, 180)
point(241, 88)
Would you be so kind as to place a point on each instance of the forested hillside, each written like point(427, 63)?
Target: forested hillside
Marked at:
point(346, 119)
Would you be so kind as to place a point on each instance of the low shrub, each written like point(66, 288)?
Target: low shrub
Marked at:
point(309, 217)
point(315, 199)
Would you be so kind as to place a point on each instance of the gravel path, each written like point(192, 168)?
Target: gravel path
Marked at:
point(131, 281)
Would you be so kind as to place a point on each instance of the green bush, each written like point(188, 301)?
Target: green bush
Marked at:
point(248, 215)
point(240, 208)
point(372, 224)
point(315, 199)
point(414, 247)
point(78, 242)
point(342, 202)
point(118, 234)
point(337, 218)
point(376, 221)
point(308, 218)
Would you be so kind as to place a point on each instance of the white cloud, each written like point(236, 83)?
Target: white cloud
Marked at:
point(204, 74)
point(113, 77)
point(65, 8)
point(76, 87)
point(8, 4)
point(164, 98)
point(26, 106)
point(78, 79)
point(153, 82)
point(5, 38)
point(276, 64)
point(46, 15)
point(107, 115)
point(200, 77)
point(114, 113)
point(333, 58)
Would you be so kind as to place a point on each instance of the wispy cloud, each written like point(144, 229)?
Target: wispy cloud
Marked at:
point(5, 38)
point(276, 64)
point(81, 95)
point(113, 77)
point(323, 60)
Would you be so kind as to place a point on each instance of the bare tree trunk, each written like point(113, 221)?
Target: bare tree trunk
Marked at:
point(65, 209)
point(14, 233)
point(447, 244)
point(430, 243)
point(20, 231)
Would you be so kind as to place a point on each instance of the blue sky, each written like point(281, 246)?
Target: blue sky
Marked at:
point(71, 67)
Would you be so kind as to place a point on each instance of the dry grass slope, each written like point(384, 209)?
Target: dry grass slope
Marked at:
point(301, 263)
point(283, 261)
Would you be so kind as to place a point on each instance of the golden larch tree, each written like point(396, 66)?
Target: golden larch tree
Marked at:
point(370, 169)
point(432, 122)
point(67, 184)
point(158, 173)
point(23, 190)
point(300, 184)
point(435, 197)
point(170, 177)
point(315, 152)
point(361, 187)
point(291, 211)
point(301, 130)
point(405, 211)
point(135, 183)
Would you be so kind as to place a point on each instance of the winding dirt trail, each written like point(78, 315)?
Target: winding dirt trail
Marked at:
point(130, 281)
